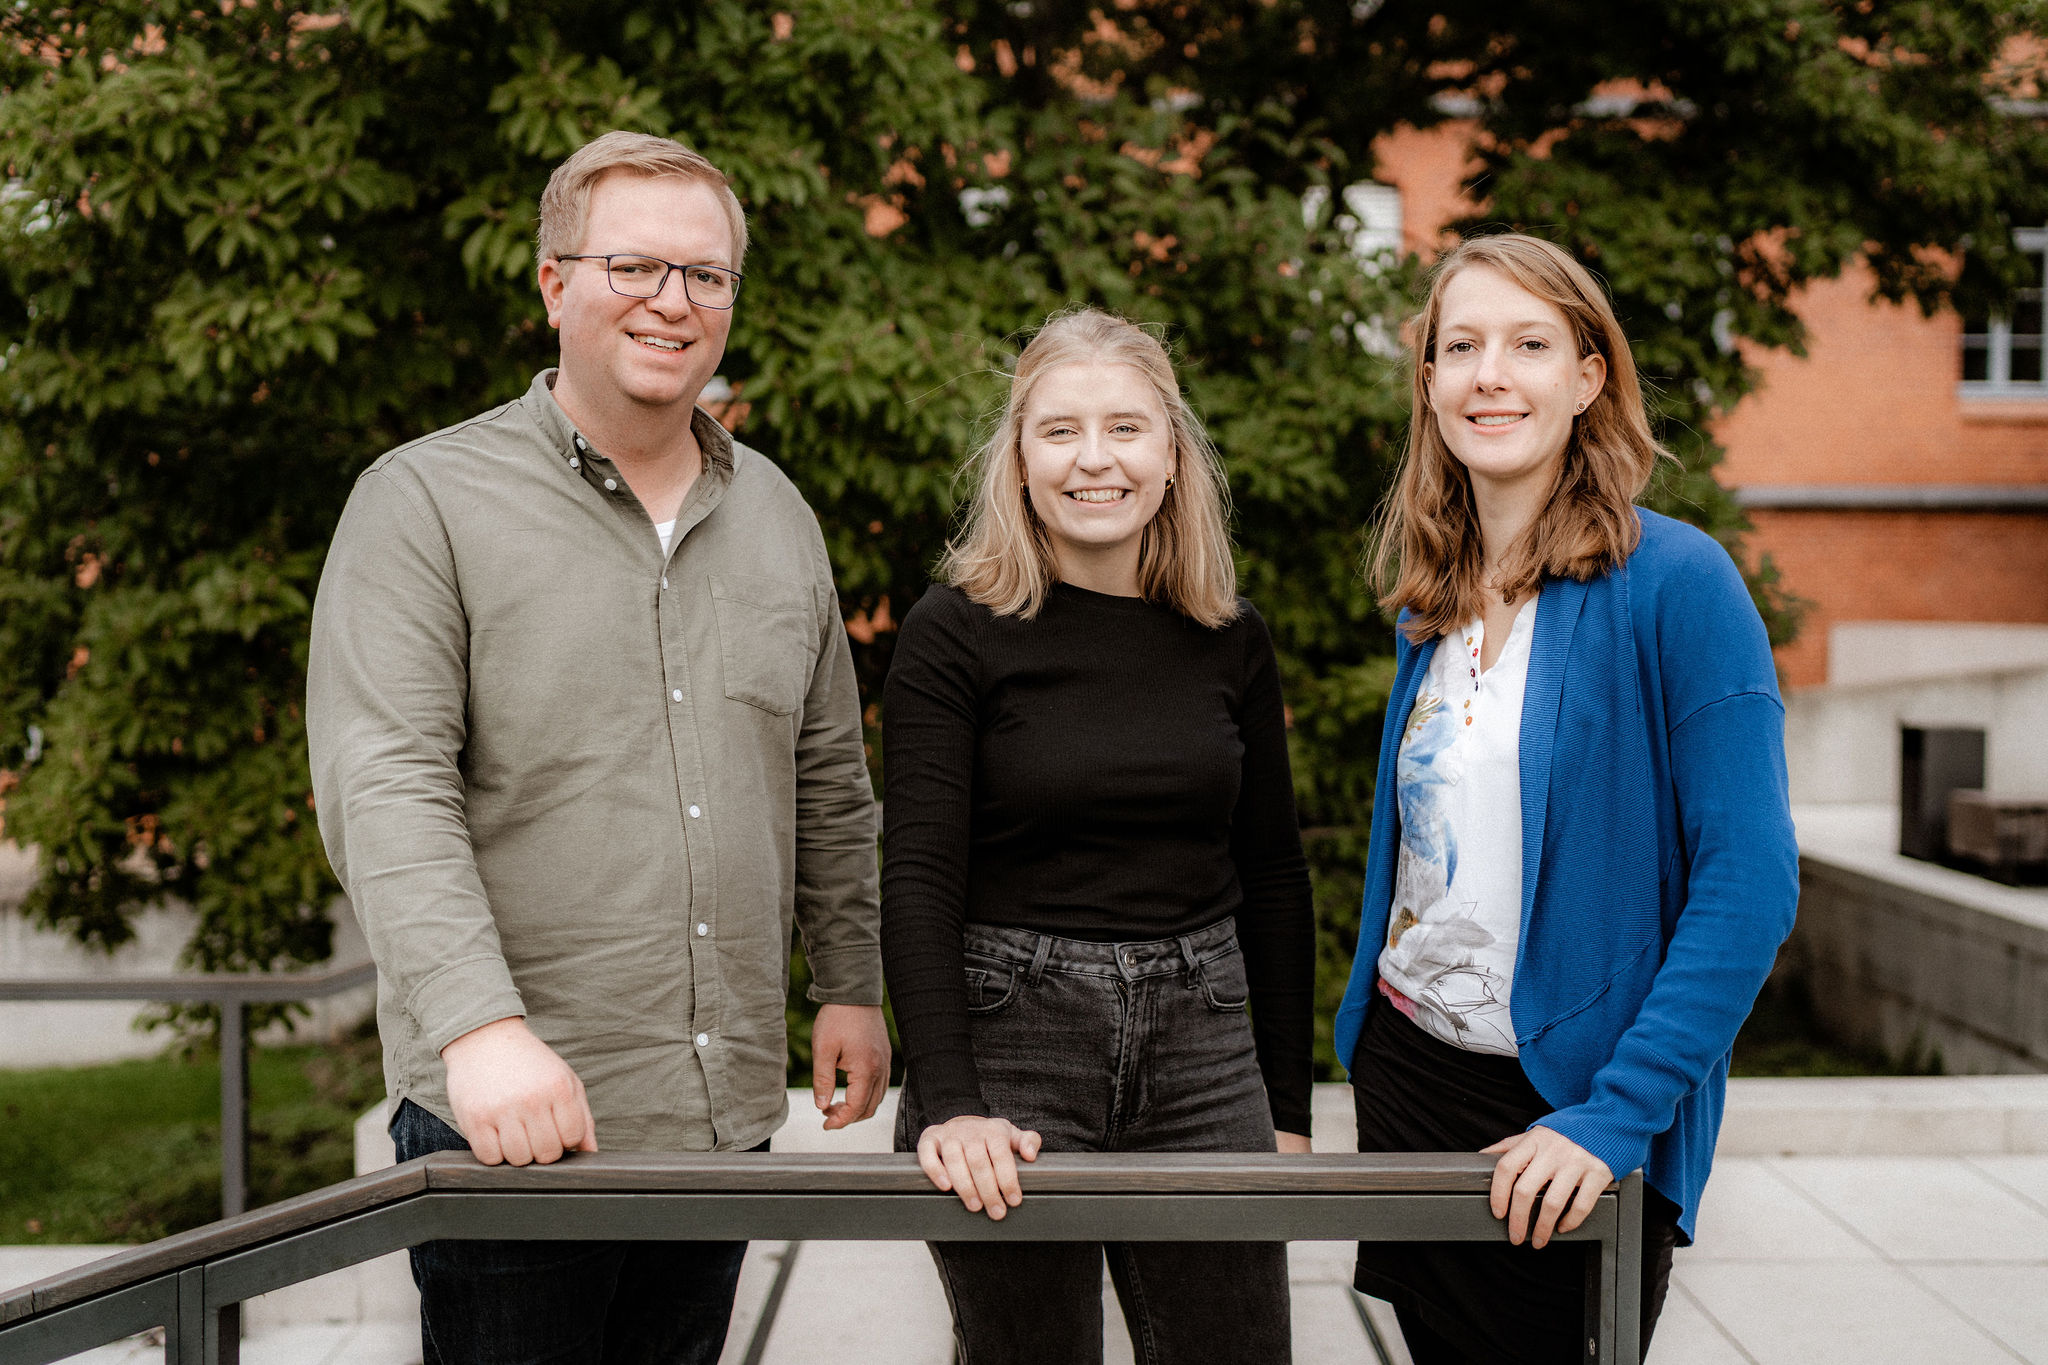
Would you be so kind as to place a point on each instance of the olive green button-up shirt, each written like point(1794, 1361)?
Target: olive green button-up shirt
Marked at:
point(563, 776)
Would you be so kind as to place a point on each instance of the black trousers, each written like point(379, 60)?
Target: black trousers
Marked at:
point(1468, 1301)
point(565, 1303)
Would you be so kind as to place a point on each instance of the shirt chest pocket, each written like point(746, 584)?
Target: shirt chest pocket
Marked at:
point(767, 640)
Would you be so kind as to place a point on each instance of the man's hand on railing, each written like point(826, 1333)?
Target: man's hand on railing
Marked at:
point(973, 1157)
point(1544, 1163)
point(514, 1097)
point(853, 1039)
point(1292, 1144)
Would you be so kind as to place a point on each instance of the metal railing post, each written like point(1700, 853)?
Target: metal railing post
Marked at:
point(234, 1108)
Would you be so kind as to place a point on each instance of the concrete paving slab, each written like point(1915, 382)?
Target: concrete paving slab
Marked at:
point(1750, 1213)
point(1326, 1325)
point(757, 1280)
point(1686, 1335)
point(2026, 1176)
point(850, 1301)
point(1922, 1208)
point(2008, 1301)
point(1832, 1314)
point(1885, 1116)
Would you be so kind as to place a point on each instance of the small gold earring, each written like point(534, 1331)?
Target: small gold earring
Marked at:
point(1169, 481)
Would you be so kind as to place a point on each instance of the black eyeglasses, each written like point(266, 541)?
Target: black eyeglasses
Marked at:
point(643, 277)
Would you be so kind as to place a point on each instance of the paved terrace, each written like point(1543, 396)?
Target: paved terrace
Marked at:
point(1849, 1221)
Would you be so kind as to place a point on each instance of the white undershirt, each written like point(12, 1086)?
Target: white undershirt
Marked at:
point(666, 530)
point(1456, 920)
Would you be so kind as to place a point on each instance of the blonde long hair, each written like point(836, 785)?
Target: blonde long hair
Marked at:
point(1004, 559)
point(1427, 557)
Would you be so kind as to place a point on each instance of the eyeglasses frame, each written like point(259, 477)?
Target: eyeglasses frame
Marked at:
point(669, 268)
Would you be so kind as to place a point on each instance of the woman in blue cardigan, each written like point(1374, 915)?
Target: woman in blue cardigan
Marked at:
point(1582, 860)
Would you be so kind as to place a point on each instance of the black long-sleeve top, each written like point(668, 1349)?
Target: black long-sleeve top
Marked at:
point(1110, 770)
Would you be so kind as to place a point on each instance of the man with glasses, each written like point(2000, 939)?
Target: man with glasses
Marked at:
point(586, 743)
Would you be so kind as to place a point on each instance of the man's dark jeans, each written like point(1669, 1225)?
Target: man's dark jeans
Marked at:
point(564, 1303)
point(1114, 1047)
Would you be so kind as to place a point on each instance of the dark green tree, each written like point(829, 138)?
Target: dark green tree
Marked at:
point(252, 244)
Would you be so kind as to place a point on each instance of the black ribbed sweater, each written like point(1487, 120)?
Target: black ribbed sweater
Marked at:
point(1111, 771)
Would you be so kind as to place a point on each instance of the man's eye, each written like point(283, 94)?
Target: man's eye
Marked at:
point(706, 277)
point(631, 268)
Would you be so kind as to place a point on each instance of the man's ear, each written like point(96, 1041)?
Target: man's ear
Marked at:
point(552, 284)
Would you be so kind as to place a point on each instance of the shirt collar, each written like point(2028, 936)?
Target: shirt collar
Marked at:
point(714, 440)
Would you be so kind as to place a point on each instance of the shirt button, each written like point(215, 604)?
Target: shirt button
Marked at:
point(611, 485)
point(676, 695)
point(703, 1040)
point(664, 582)
point(575, 463)
point(694, 812)
point(702, 930)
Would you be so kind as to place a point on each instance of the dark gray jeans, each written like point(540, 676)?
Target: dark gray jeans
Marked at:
point(1114, 1047)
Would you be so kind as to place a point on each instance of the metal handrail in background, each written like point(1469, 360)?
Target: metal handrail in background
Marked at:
point(233, 993)
point(193, 1284)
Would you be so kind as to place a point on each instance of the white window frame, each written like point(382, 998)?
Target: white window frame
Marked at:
point(1998, 381)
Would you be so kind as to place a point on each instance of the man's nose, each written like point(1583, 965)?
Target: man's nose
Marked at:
point(672, 300)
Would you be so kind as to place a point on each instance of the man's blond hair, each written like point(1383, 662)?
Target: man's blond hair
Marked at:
point(565, 203)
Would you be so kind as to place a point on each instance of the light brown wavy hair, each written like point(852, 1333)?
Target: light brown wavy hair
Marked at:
point(1426, 555)
point(1004, 559)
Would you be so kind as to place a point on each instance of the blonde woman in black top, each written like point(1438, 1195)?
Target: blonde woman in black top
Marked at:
point(1091, 864)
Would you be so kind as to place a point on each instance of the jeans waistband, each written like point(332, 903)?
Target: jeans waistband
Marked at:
point(1089, 957)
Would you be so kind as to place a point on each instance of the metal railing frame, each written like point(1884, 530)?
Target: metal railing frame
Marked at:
point(233, 993)
point(193, 1284)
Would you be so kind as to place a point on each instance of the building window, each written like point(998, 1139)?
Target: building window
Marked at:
point(2002, 355)
point(1370, 218)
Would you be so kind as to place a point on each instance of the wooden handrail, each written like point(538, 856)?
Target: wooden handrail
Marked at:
point(706, 1173)
point(194, 1284)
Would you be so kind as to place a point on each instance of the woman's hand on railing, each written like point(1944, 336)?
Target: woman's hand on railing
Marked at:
point(1544, 1164)
point(1292, 1144)
point(514, 1097)
point(975, 1157)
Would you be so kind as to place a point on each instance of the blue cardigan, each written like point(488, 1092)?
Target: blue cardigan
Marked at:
point(1659, 873)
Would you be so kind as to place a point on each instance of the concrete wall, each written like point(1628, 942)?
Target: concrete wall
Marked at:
point(1916, 957)
point(79, 1033)
point(1842, 741)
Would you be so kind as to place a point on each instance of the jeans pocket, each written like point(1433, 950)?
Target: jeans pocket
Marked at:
point(1224, 986)
point(990, 988)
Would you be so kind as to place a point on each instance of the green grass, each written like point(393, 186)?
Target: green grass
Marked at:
point(130, 1151)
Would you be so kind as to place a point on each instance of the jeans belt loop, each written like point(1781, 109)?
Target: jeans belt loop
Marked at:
point(1038, 959)
point(1194, 965)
